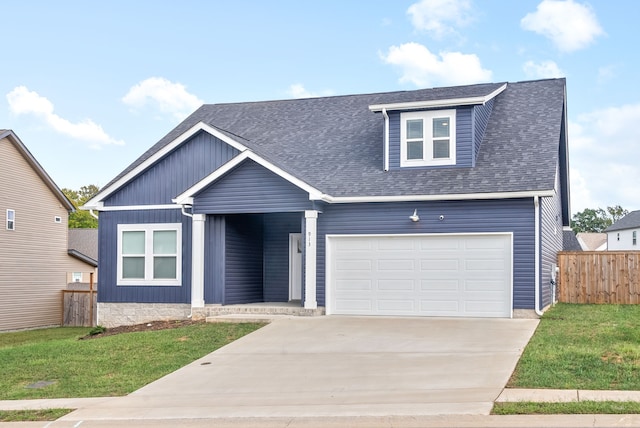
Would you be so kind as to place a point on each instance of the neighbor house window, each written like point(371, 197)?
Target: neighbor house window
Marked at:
point(634, 238)
point(149, 254)
point(428, 138)
point(57, 219)
point(77, 276)
point(11, 220)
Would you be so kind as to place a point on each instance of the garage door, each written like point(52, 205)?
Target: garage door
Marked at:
point(420, 275)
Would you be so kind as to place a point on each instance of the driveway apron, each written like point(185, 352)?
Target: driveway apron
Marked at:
point(338, 366)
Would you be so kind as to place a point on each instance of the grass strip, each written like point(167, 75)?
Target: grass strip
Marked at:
point(570, 408)
point(594, 347)
point(107, 366)
point(32, 415)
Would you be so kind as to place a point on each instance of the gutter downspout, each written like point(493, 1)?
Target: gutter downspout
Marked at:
point(186, 214)
point(93, 214)
point(386, 139)
point(536, 213)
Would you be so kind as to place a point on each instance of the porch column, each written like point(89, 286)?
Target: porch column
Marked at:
point(197, 260)
point(310, 260)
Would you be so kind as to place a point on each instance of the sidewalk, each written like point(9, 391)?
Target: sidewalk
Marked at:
point(507, 395)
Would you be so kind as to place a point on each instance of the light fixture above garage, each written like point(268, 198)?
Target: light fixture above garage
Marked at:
point(415, 217)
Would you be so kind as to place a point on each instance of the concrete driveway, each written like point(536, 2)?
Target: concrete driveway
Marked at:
point(338, 366)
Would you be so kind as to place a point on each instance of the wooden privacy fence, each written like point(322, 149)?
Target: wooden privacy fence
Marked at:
point(79, 307)
point(599, 277)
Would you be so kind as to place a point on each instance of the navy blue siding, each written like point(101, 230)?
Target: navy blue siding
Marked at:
point(277, 228)
point(181, 169)
point(481, 115)
point(251, 188)
point(214, 256)
point(108, 290)
point(464, 137)
point(509, 215)
point(551, 242)
point(244, 261)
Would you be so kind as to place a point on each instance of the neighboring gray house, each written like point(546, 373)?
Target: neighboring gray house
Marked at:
point(623, 234)
point(433, 202)
point(33, 239)
point(571, 242)
point(83, 247)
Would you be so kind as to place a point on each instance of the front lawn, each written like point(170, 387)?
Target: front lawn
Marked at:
point(105, 366)
point(593, 347)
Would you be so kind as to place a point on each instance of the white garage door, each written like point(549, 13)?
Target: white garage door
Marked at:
point(423, 275)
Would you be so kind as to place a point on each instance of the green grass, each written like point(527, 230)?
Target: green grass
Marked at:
point(593, 347)
point(571, 408)
point(32, 415)
point(106, 366)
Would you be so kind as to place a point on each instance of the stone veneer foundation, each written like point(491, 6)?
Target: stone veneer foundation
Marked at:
point(116, 314)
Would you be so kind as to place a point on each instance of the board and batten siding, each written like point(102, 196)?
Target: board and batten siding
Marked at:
point(108, 290)
point(251, 188)
point(551, 242)
point(277, 228)
point(507, 215)
point(464, 139)
point(33, 257)
point(181, 169)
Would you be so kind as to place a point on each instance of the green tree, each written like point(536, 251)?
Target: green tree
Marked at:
point(81, 219)
point(596, 220)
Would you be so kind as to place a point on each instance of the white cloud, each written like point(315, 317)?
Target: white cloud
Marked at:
point(570, 26)
point(440, 17)
point(23, 101)
point(168, 97)
point(423, 68)
point(297, 90)
point(542, 70)
point(604, 169)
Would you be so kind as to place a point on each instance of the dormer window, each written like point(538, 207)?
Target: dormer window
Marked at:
point(428, 138)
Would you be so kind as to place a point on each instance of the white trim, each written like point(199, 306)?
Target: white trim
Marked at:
point(386, 139)
point(200, 126)
point(186, 197)
point(449, 197)
point(427, 139)
point(101, 207)
point(328, 289)
point(310, 263)
point(148, 280)
point(197, 259)
point(450, 102)
point(536, 221)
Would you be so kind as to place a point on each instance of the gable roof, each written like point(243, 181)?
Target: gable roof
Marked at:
point(570, 241)
point(592, 241)
point(630, 221)
point(31, 160)
point(335, 144)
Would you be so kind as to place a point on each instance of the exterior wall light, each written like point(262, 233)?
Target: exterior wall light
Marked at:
point(414, 217)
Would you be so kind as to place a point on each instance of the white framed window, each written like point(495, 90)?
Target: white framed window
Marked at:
point(150, 254)
point(634, 238)
point(77, 276)
point(11, 220)
point(57, 219)
point(428, 138)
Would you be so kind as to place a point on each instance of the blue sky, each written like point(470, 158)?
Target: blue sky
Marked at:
point(89, 86)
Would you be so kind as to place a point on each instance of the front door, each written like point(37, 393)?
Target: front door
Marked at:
point(295, 266)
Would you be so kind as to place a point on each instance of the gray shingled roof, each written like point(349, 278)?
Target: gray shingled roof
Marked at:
point(84, 242)
point(570, 241)
point(630, 221)
point(335, 144)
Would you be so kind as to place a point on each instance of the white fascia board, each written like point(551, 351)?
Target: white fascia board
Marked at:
point(200, 126)
point(132, 207)
point(451, 102)
point(187, 196)
point(451, 197)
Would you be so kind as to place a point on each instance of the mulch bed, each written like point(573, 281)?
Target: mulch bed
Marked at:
point(150, 326)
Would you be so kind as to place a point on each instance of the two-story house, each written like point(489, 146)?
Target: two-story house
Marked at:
point(433, 202)
point(34, 258)
point(623, 234)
